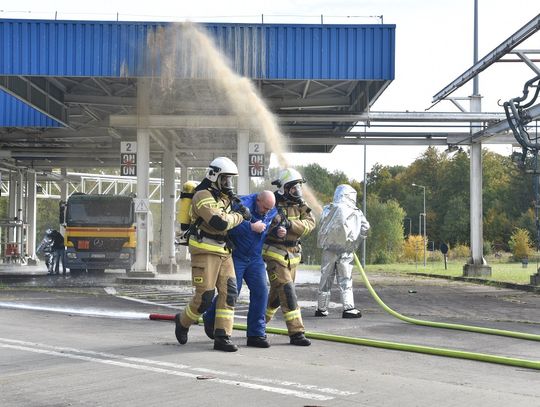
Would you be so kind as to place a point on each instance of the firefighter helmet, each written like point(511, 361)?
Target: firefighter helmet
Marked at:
point(220, 172)
point(289, 184)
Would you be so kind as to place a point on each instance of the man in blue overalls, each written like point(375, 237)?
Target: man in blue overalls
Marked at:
point(247, 239)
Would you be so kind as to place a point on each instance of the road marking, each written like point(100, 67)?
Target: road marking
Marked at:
point(118, 362)
point(173, 369)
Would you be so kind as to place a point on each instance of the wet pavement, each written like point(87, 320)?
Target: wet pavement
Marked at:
point(103, 319)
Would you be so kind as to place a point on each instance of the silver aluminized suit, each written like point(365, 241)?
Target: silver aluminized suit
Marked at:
point(342, 227)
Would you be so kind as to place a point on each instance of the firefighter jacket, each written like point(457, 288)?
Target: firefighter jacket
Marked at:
point(299, 222)
point(211, 214)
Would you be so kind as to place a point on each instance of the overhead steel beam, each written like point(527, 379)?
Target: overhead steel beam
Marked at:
point(367, 141)
point(529, 62)
point(320, 103)
point(376, 134)
point(37, 93)
point(170, 121)
point(100, 100)
point(393, 117)
point(231, 122)
point(506, 46)
point(503, 126)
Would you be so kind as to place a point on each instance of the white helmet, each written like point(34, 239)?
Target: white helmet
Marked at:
point(220, 172)
point(288, 178)
point(345, 194)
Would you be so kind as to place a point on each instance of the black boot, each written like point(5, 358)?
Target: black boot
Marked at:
point(224, 343)
point(299, 339)
point(180, 331)
point(321, 313)
point(352, 313)
point(208, 327)
point(258, 342)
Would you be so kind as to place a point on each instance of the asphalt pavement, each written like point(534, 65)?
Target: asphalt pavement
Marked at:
point(87, 340)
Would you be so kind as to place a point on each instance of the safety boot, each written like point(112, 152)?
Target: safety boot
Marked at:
point(208, 327)
point(258, 342)
point(321, 313)
point(224, 343)
point(352, 313)
point(299, 339)
point(180, 331)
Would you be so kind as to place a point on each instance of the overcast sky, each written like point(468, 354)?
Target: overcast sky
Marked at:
point(434, 44)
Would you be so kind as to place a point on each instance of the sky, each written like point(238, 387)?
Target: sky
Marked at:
point(434, 44)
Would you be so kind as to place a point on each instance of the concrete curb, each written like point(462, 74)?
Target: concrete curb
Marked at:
point(483, 281)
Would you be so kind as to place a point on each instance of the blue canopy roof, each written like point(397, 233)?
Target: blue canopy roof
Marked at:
point(258, 51)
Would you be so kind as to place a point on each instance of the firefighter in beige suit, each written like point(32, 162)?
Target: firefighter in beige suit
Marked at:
point(282, 252)
point(211, 263)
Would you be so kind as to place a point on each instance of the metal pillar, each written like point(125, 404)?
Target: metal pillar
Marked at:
point(12, 205)
point(31, 217)
point(21, 215)
point(182, 253)
point(167, 263)
point(142, 266)
point(63, 194)
point(364, 207)
point(477, 265)
point(243, 162)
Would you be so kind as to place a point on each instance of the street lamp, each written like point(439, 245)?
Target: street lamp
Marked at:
point(424, 214)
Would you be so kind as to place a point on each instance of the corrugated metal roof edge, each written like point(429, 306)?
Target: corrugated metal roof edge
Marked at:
point(196, 22)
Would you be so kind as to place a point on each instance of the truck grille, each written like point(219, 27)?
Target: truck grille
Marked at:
point(104, 244)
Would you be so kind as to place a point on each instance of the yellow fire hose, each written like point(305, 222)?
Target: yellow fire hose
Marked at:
point(482, 357)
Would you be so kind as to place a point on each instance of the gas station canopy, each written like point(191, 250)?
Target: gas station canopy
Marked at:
point(62, 81)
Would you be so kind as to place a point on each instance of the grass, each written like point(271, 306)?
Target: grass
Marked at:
point(501, 270)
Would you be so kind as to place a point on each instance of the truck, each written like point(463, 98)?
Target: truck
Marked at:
point(99, 232)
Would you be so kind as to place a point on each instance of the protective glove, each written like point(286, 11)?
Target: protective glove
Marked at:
point(244, 211)
point(285, 222)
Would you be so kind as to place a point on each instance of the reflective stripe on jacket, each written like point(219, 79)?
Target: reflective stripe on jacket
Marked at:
point(284, 257)
point(208, 208)
point(302, 223)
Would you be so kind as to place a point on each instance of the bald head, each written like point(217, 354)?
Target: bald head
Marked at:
point(265, 201)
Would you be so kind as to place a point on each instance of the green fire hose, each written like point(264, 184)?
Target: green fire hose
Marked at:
point(452, 353)
point(482, 357)
point(490, 331)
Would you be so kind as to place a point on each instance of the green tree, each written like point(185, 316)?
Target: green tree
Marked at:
point(385, 239)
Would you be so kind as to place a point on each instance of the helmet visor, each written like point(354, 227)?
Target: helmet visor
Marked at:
point(296, 191)
point(226, 183)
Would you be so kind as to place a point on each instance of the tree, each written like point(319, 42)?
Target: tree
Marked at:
point(413, 248)
point(385, 239)
point(520, 244)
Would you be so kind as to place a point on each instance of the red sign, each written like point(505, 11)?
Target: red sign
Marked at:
point(256, 165)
